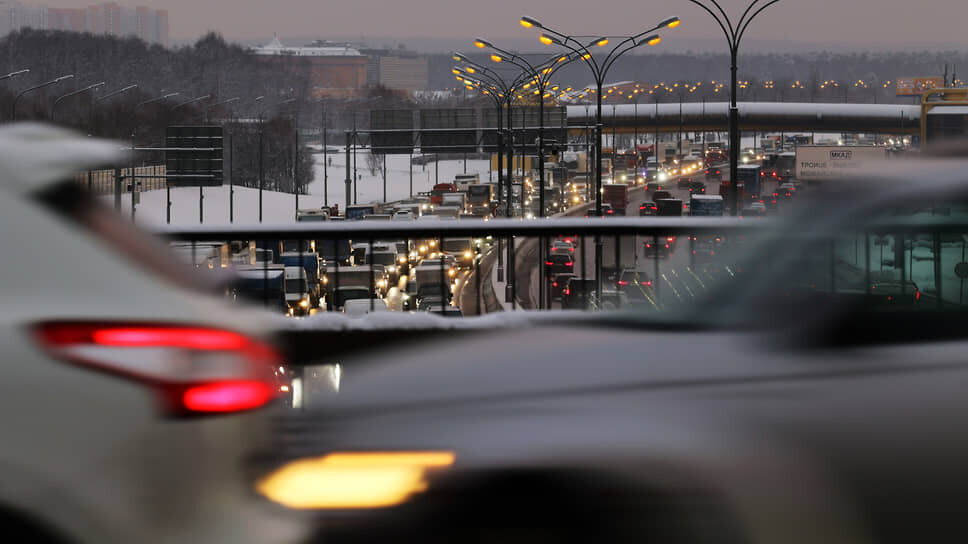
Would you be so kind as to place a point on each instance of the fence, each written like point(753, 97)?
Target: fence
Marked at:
point(101, 182)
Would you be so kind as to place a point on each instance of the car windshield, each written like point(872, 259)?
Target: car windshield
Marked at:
point(844, 257)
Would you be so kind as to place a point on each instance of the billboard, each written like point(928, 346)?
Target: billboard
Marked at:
point(915, 86)
point(391, 132)
point(193, 156)
point(457, 134)
point(824, 162)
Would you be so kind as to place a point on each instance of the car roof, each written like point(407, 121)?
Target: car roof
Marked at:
point(34, 155)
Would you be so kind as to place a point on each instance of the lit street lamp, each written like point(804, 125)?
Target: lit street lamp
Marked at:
point(734, 34)
point(13, 108)
point(600, 72)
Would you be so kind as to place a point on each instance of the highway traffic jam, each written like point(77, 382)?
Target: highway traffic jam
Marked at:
point(304, 383)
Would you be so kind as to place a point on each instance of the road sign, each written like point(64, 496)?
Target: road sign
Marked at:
point(193, 156)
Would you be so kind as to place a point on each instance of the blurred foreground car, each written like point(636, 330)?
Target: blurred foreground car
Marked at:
point(785, 402)
point(131, 398)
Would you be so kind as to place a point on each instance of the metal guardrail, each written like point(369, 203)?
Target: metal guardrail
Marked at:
point(698, 250)
point(497, 238)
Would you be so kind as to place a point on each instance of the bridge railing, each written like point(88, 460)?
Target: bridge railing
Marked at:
point(475, 265)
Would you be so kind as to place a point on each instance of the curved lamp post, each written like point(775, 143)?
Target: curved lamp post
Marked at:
point(13, 108)
point(116, 93)
point(140, 105)
point(599, 72)
point(53, 107)
point(538, 77)
point(190, 101)
point(734, 34)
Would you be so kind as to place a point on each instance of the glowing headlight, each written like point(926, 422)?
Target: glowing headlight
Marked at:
point(423, 249)
point(352, 479)
point(468, 254)
point(452, 272)
point(402, 259)
point(433, 243)
point(392, 269)
point(325, 280)
point(304, 303)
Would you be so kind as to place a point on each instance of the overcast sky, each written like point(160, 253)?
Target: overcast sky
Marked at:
point(861, 23)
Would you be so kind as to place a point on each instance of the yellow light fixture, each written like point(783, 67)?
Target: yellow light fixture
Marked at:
point(673, 24)
point(602, 42)
point(586, 56)
point(496, 58)
point(525, 23)
point(654, 40)
point(470, 70)
point(547, 40)
point(479, 44)
point(352, 479)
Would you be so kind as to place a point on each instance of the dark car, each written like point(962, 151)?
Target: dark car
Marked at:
point(697, 188)
point(557, 284)
point(714, 174)
point(606, 211)
point(684, 183)
point(659, 248)
point(648, 208)
point(661, 195)
point(636, 285)
point(558, 263)
point(574, 295)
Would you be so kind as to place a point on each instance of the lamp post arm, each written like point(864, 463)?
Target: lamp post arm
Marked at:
point(614, 58)
point(115, 93)
point(746, 24)
point(726, 32)
point(722, 12)
point(77, 92)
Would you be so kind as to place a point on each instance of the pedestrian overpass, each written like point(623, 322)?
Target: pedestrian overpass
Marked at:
point(753, 116)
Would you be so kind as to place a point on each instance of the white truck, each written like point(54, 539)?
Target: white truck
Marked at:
point(824, 162)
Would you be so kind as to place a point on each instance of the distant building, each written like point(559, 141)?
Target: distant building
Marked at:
point(334, 70)
point(396, 69)
point(151, 25)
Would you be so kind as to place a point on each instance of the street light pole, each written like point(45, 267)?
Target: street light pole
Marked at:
point(60, 98)
point(734, 34)
point(13, 108)
point(599, 71)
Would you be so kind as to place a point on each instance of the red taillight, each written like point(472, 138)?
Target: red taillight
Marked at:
point(567, 291)
point(671, 239)
point(623, 282)
point(647, 283)
point(226, 396)
point(192, 370)
point(549, 263)
point(570, 263)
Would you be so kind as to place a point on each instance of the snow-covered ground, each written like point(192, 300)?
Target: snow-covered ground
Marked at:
point(281, 207)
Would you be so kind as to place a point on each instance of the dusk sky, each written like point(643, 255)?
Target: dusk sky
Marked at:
point(861, 24)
